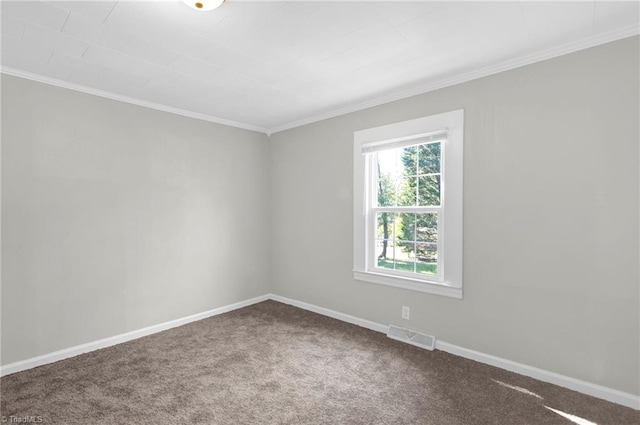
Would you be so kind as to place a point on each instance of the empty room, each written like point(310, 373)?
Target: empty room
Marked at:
point(320, 212)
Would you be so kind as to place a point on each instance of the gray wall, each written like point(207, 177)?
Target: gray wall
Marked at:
point(117, 217)
point(550, 215)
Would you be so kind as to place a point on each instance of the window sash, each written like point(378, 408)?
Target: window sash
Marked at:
point(371, 260)
point(371, 210)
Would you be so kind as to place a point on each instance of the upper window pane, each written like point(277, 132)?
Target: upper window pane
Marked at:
point(408, 157)
point(408, 193)
point(429, 190)
point(388, 172)
point(409, 176)
point(429, 158)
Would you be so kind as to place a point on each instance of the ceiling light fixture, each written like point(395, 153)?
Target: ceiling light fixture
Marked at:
point(203, 4)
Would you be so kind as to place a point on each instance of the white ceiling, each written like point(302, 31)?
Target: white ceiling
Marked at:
point(273, 65)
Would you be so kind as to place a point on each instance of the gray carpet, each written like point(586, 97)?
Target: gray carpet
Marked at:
point(275, 364)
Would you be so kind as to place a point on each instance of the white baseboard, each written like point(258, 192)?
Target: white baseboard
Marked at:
point(118, 339)
point(584, 387)
point(330, 313)
point(615, 396)
point(595, 390)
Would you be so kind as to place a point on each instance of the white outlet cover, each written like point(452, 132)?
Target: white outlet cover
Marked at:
point(406, 312)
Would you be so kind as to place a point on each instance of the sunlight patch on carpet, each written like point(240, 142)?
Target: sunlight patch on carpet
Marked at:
point(519, 389)
point(573, 418)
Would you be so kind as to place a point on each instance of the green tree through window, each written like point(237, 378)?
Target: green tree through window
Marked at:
point(408, 178)
point(421, 187)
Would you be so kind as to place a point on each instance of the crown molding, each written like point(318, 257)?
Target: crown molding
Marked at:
point(126, 99)
point(521, 61)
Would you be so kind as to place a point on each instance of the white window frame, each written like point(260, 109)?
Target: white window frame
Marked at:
point(448, 282)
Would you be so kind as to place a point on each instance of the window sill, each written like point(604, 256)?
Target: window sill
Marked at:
point(408, 283)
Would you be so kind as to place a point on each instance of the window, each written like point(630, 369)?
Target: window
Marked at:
point(408, 204)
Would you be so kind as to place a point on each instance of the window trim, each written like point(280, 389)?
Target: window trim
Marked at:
point(450, 283)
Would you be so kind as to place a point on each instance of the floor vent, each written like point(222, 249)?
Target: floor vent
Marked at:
point(411, 337)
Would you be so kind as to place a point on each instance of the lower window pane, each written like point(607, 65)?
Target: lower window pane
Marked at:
point(405, 256)
point(394, 251)
point(385, 253)
point(427, 227)
point(405, 226)
point(405, 266)
point(427, 258)
point(385, 222)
